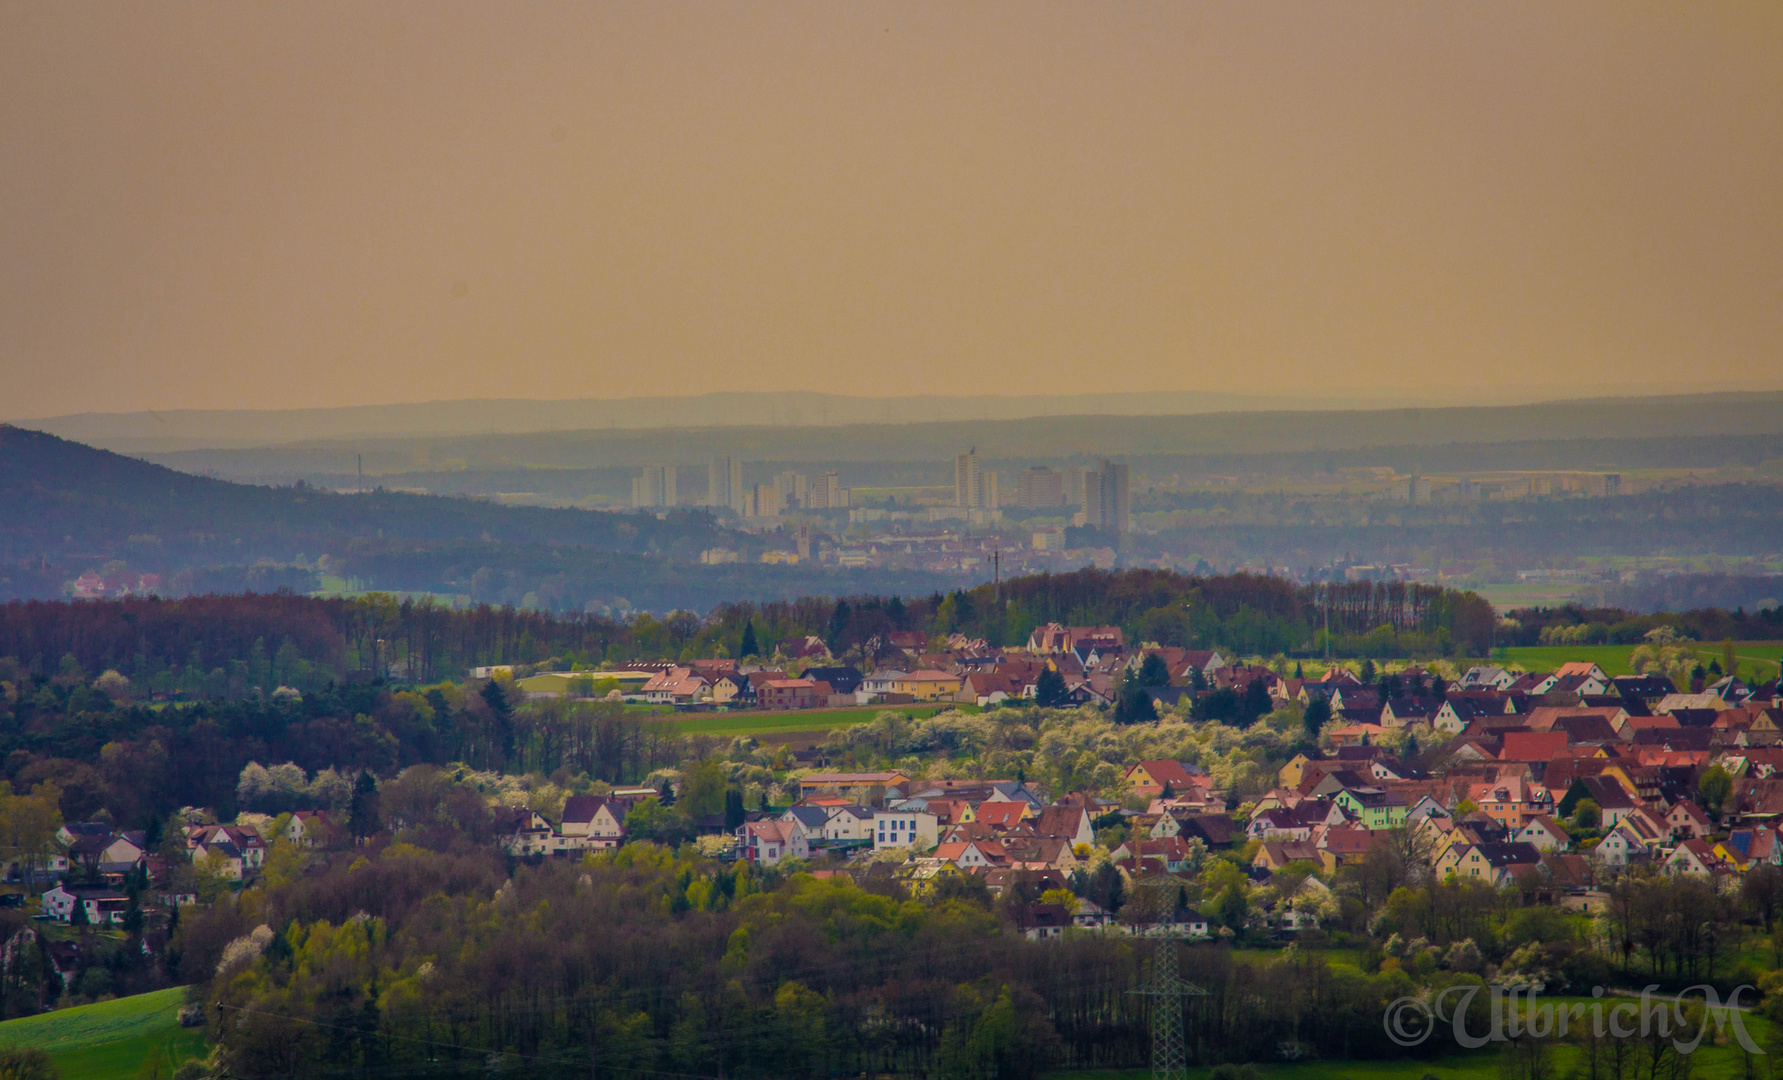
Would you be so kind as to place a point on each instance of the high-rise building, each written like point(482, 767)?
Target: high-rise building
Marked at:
point(1039, 487)
point(724, 483)
point(1075, 479)
point(967, 484)
point(654, 487)
point(794, 489)
point(761, 500)
point(1110, 505)
point(826, 492)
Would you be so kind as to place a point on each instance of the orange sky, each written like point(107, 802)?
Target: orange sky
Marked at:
point(247, 205)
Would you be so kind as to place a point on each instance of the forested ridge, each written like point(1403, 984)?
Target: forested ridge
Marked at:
point(264, 641)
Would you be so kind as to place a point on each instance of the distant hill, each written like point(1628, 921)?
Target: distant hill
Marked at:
point(60, 493)
point(1325, 419)
point(1001, 438)
point(177, 428)
point(69, 508)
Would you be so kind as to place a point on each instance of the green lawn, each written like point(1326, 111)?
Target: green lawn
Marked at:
point(111, 1040)
point(824, 720)
point(1614, 658)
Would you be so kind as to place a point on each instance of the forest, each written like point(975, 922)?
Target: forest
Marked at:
point(264, 641)
point(424, 949)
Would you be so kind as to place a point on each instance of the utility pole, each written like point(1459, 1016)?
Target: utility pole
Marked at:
point(1327, 626)
point(1170, 1056)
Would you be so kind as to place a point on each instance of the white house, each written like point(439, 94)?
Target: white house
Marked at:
point(905, 828)
point(594, 821)
point(849, 823)
point(103, 903)
point(767, 842)
point(882, 681)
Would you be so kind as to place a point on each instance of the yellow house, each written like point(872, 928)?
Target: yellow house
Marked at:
point(920, 875)
point(1294, 771)
point(927, 685)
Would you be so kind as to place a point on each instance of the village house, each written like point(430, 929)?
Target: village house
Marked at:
point(768, 842)
point(862, 788)
point(103, 905)
point(595, 822)
point(312, 828)
point(914, 829)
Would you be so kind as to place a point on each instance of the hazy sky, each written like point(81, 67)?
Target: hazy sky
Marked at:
point(225, 205)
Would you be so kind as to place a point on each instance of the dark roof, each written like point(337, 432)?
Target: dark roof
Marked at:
point(811, 817)
point(1643, 686)
point(1678, 738)
point(842, 680)
point(1216, 830)
point(1586, 728)
point(1606, 793)
point(584, 807)
point(1510, 854)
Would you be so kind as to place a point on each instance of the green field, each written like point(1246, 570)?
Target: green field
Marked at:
point(1614, 658)
point(113, 1039)
point(814, 720)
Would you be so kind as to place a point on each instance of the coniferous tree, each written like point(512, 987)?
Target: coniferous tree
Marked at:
point(1049, 690)
point(367, 815)
point(1316, 716)
point(1154, 671)
point(749, 647)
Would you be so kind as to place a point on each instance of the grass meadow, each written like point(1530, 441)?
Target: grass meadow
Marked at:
point(112, 1040)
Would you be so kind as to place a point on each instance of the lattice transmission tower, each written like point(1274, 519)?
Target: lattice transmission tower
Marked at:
point(1170, 1054)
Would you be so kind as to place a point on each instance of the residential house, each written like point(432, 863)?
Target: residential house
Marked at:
point(1002, 816)
point(973, 854)
point(677, 686)
point(313, 828)
point(809, 820)
point(596, 822)
point(1544, 834)
point(103, 904)
point(1068, 823)
point(1746, 848)
point(1342, 844)
point(1041, 922)
point(240, 848)
point(809, 647)
point(863, 788)
point(1613, 800)
point(1172, 855)
point(1152, 777)
point(1697, 858)
point(928, 685)
point(1495, 864)
point(1372, 807)
point(733, 688)
point(1480, 677)
point(842, 679)
point(1686, 821)
point(791, 694)
point(768, 842)
point(905, 829)
point(524, 832)
point(875, 686)
point(848, 824)
point(1273, 855)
